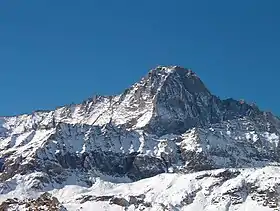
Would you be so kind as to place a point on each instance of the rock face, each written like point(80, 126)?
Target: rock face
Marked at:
point(169, 122)
point(43, 202)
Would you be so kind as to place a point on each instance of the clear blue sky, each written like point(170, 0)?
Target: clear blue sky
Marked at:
point(58, 52)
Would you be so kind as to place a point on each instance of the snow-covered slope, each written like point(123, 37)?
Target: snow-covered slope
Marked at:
point(166, 143)
point(215, 190)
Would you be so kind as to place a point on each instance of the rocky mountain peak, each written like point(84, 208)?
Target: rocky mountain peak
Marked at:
point(170, 97)
point(181, 76)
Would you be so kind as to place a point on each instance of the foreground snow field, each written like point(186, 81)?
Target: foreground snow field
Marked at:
point(223, 190)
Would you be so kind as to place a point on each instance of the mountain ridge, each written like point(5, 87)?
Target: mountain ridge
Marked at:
point(119, 105)
point(111, 96)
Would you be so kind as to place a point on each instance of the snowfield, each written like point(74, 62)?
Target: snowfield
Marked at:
point(223, 189)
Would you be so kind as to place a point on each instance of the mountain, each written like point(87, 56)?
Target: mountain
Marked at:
point(166, 143)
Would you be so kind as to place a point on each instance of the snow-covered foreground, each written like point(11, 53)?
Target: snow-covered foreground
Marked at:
point(216, 190)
